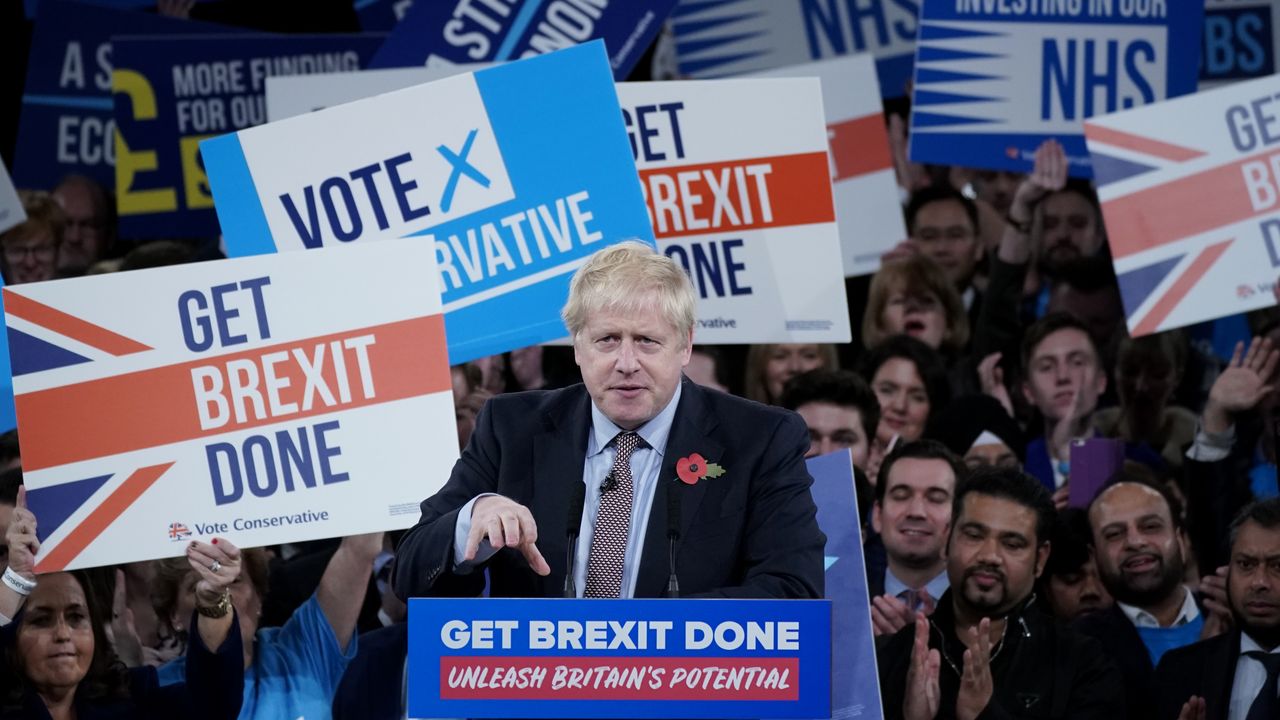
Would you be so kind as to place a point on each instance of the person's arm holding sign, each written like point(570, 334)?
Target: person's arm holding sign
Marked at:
point(20, 576)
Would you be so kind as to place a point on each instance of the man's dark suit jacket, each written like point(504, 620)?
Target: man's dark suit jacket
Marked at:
point(750, 533)
point(1207, 669)
point(372, 688)
point(1124, 646)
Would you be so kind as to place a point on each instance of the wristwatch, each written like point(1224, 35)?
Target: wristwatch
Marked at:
point(220, 609)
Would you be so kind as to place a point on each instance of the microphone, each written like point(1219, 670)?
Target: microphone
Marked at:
point(577, 498)
point(673, 534)
point(610, 482)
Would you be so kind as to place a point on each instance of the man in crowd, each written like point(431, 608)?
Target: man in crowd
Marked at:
point(1063, 379)
point(1142, 549)
point(747, 524)
point(912, 514)
point(87, 234)
point(1234, 675)
point(1071, 585)
point(987, 651)
point(839, 409)
point(943, 224)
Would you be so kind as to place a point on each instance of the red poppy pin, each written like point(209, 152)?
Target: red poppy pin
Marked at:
point(695, 467)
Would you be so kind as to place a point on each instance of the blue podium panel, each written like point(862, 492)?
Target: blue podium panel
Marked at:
point(619, 658)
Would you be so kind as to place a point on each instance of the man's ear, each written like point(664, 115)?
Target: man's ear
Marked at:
point(1027, 394)
point(1042, 557)
point(876, 524)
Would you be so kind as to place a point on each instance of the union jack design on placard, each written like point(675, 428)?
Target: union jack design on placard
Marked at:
point(1191, 205)
point(253, 398)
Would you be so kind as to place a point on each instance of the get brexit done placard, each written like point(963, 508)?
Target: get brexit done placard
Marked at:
point(269, 399)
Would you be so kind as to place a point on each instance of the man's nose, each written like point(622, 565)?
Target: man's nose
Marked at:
point(627, 361)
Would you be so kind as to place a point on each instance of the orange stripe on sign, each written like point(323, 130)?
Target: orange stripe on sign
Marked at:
point(1180, 288)
point(1185, 207)
point(70, 326)
point(778, 191)
point(159, 406)
point(101, 517)
point(859, 146)
point(1138, 143)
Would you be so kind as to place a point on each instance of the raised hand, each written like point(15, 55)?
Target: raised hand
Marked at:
point(1048, 175)
point(889, 615)
point(217, 564)
point(21, 537)
point(923, 692)
point(1193, 709)
point(1245, 381)
point(991, 377)
point(975, 682)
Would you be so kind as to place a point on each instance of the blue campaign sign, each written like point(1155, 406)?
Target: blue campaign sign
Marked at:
point(855, 686)
point(171, 93)
point(734, 37)
point(470, 31)
point(1239, 40)
point(32, 6)
point(619, 658)
point(528, 173)
point(66, 124)
point(993, 80)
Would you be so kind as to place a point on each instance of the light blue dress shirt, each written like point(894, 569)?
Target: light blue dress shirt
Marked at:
point(646, 466)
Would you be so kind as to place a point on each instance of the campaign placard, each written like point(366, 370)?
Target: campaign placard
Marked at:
point(469, 31)
point(1239, 41)
point(528, 174)
point(267, 400)
point(66, 124)
point(1190, 192)
point(862, 176)
point(290, 95)
point(738, 187)
point(994, 80)
point(736, 37)
point(619, 658)
point(11, 210)
point(171, 93)
point(855, 684)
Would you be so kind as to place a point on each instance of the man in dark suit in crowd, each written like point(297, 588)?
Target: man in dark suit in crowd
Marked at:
point(987, 651)
point(1234, 676)
point(633, 433)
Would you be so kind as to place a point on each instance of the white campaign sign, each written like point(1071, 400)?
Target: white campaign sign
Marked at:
point(865, 188)
point(11, 212)
point(268, 399)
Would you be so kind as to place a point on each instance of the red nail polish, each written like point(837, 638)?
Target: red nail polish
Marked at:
point(215, 541)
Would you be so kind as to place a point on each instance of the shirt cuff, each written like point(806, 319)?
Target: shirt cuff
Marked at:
point(1211, 447)
point(460, 532)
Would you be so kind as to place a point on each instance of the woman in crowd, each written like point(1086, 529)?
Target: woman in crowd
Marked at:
point(912, 296)
point(61, 665)
point(911, 384)
point(1148, 371)
point(769, 367)
point(294, 670)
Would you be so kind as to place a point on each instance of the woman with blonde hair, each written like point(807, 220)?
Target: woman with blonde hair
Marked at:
point(912, 296)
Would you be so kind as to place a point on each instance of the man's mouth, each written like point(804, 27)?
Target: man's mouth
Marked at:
point(1145, 562)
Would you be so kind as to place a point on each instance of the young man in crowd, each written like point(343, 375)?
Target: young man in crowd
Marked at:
point(988, 651)
point(839, 409)
point(1234, 675)
point(943, 225)
point(912, 515)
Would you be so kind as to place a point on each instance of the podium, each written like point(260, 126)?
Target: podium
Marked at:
point(575, 658)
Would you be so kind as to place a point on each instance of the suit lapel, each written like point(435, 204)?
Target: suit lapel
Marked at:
point(559, 451)
point(1220, 674)
point(689, 434)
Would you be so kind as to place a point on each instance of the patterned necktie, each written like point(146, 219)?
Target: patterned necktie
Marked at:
point(613, 523)
point(918, 600)
point(1266, 706)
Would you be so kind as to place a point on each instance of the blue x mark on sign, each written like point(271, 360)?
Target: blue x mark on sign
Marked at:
point(460, 167)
